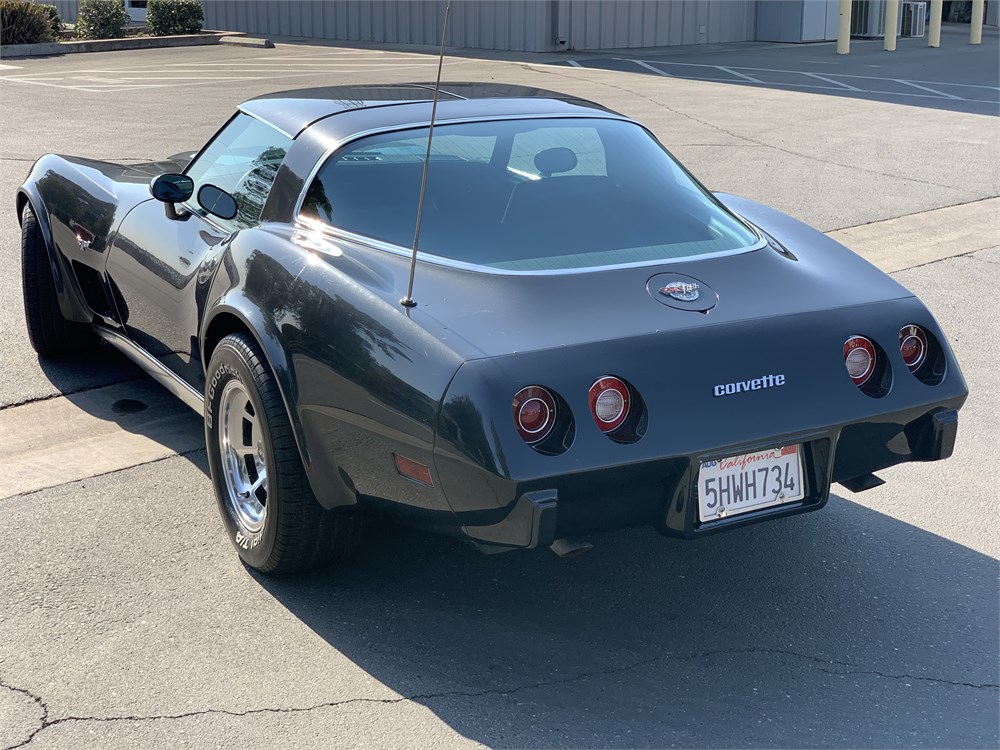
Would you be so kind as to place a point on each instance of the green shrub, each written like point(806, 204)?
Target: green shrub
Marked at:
point(101, 19)
point(166, 17)
point(55, 21)
point(22, 22)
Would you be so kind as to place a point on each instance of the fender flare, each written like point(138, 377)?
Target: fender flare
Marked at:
point(71, 299)
point(234, 311)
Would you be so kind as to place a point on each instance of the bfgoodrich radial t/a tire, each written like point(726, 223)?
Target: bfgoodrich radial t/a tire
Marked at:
point(50, 334)
point(268, 509)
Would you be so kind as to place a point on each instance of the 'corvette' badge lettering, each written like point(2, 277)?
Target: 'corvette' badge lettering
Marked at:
point(681, 291)
point(756, 384)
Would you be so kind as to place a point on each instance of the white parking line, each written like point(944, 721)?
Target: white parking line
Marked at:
point(126, 79)
point(932, 88)
point(830, 80)
point(254, 68)
point(11, 67)
point(94, 88)
point(647, 66)
point(310, 62)
point(668, 75)
point(343, 54)
point(933, 91)
point(738, 75)
point(802, 72)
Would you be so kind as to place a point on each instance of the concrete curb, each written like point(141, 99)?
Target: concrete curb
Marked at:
point(246, 41)
point(918, 239)
point(111, 45)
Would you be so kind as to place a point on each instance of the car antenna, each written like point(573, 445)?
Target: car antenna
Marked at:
point(408, 300)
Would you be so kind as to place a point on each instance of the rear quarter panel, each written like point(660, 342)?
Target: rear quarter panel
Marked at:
point(361, 378)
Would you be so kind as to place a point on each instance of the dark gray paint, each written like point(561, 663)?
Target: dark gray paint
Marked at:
point(364, 378)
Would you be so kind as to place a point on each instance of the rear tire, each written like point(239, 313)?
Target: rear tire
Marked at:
point(269, 511)
point(50, 334)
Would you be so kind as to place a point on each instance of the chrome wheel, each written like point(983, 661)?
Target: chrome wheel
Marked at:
point(244, 460)
point(265, 498)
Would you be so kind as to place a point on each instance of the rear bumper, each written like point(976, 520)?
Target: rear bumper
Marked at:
point(663, 493)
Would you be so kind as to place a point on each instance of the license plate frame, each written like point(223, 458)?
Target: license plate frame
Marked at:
point(759, 470)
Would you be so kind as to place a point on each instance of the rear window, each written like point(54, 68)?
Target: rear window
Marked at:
point(526, 195)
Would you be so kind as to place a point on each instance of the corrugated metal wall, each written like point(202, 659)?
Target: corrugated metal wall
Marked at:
point(521, 25)
point(485, 24)
point(607, 24)
point(67, 8)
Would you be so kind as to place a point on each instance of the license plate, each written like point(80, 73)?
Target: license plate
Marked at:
point(751, 481)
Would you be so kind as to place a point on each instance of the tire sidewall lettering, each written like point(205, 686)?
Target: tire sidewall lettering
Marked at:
point(220, 372)
point(245, 542)
point(230, 366)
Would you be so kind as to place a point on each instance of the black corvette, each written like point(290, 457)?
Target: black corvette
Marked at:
point(596, 342)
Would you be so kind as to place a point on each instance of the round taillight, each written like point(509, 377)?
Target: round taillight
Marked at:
point(859, 358)
point(534, 411)
point(609, 402)
point(913, 346)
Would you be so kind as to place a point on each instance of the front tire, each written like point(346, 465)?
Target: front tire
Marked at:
point(50, 334)
point(269, 511)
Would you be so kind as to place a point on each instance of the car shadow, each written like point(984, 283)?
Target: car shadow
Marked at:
point(841, 628)
point(102, 367)
point(109, 388)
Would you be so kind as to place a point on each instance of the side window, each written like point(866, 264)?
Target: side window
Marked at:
point(583, 142)
point(243, 160)
point(372, 187)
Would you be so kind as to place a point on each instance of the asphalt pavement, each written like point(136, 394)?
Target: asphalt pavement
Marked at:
point(957, 76)
point(127, 621)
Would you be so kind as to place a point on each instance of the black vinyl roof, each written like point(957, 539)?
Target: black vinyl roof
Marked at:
point(293, 111)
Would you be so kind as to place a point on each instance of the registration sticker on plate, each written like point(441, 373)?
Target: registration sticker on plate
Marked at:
point(739, 484)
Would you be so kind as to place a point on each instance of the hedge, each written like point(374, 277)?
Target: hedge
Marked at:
point(22, 22)
point(55, 21)
point(101, 19)
point(167, 17)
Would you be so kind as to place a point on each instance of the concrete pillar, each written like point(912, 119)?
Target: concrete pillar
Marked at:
point(844, 29)
point(976, 30)
point(934, 32)
point(891, 19)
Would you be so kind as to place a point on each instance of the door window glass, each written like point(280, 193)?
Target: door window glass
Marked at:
point(243, 160)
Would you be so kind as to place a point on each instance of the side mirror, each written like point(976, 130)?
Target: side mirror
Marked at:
point(217, 202)
point(171, 189)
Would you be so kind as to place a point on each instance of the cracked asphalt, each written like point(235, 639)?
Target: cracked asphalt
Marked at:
point(127, 622)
